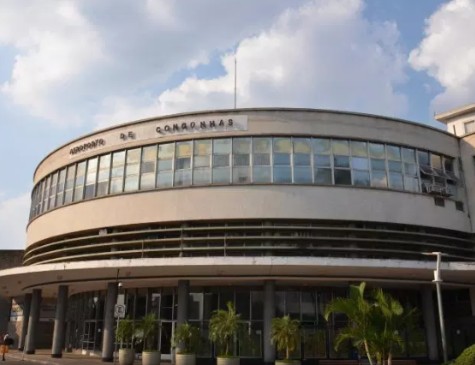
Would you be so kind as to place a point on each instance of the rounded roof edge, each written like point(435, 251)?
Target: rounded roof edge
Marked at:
point(240, 110)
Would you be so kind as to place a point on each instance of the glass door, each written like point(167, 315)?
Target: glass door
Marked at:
point(167, 331)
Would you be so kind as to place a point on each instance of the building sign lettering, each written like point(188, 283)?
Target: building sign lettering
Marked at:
point(87, 146)
point(195, 126)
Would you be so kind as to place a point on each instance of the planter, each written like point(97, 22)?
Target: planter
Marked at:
point(287, 362)
point(151, 358)
point(227, 360)
point(185, 359)
point(126, 356)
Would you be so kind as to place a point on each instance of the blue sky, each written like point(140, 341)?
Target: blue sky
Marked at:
point(70, 67)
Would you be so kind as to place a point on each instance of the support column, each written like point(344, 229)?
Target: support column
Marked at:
point(5, 309)
point(429, 322)
point(30, 345)
point(269, 313)
point(183, 289)
point(108, 331)
point(472, 300)
point(26, 318)
point(58, 332)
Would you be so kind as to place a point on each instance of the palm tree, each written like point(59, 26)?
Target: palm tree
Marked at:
point(148, 331)
point(187, 336)
point(223, 326)
point(285, 334)
point(360, 316)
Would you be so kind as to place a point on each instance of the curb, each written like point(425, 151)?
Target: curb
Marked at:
point(38, 361)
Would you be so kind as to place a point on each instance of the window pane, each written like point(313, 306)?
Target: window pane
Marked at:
point(423, 158)
point(261, 145)
point(241, 160)
point(395, 166)
point(394, 152)
point(91, 178)
point(302, 145)
point(411, 183)
point(342, 177)
point(302, 175)
point(359, 163)
point(80, 177)
point(377, 164)
point(165, 151)
point(241, 175)
point(221, 175)
point(376, 150)
point(261, 174)
point(261, 159)
point(321, 146)
point(165, 165)
point(165, 179)
point(323, 176)
point(201, 161)
point(395, 181)
point(282, 145)
point(222, 146)
point(340, 147)
point(341, 161)
point(282, 174)
point(132, 183)
point(147, 181)
point(147, 167)
point(361, 178)
point(436, 161)
point(201, 176)
point(359, 148)
point(183, 149)
point(408, 155)
point(202, 147)
point(301, 159)
point(378, 179)
point(149, 153)
point(449, 164)
point(322, 161)
point(410, 169)
point(281, 159)
point(183, 163)
point(220, 160)
point(133, 156)
point(182, 178)
point(241, 145)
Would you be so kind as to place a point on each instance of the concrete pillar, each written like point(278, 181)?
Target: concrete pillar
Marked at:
point(428, 312)
point(24, 324)
point(5, 309)
point(472, 300)
point(108, 330)
point(30, 345)
point(269, 313)
point(183, 289)
point(58, 332)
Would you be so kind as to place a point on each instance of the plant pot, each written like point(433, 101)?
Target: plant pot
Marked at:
point(151, 358)
point(234, 360)
point(185, 359)
point(287, 362)
point(126, 356)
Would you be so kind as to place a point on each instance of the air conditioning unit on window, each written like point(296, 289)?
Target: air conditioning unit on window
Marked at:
point(436, 189)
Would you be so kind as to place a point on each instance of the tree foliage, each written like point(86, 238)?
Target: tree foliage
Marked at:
point(223, 326)
point(188, 337)
point(285, 334)
point(374, 325)
point(125, 332)
point(467, 357)
point(147, 331)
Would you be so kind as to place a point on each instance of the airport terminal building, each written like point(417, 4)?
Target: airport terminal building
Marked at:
point(277, 210)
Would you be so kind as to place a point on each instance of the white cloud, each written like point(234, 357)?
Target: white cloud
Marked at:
point(73, 57)
point(447, 53)
point(322, 55)
point(13, 219)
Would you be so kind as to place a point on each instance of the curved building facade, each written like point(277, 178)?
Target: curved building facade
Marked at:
point(276, 210)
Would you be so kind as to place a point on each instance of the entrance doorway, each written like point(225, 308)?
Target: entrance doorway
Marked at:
point(166, 335)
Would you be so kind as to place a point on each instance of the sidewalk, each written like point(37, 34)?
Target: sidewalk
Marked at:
point(44, 357)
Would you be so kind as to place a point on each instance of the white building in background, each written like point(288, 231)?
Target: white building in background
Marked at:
point(277, 210)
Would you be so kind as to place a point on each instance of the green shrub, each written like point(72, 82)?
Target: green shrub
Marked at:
point(467, 357)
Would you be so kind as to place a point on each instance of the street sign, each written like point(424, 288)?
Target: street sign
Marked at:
point(119, 310)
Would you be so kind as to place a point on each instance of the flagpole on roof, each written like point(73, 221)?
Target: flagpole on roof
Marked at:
point(235, 79)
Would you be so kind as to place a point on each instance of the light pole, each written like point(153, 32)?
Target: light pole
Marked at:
point(438, 280)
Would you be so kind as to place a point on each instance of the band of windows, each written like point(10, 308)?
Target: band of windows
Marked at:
point(248, 160)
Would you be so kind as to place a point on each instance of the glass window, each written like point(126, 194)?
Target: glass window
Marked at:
point(469, 126)
point(148, 167)
point(201, 176)
point(166, 153)
point(322, 161)
point(91, 176)
point(261, 145)
point(436, 161)
point(46, 193)
point(408, 155)
point(396, 181)
point(376, 150)
point(395, 166)
point(361, 178)
point(302, 175)
point(282, 169)
point(60, 188)
point(323, 176)
point(359, 148)
point(359, 163)
point(117, 172)
point(52, 191)
point(261, 174)
point(410, 169)
point(132, 170)
point(340, 147)
point(241, 175)
point(423, 158)
point(221, 173)
point(449, 164)
point(321, 146)
point(79, 184)
point(341, 161)
point(393, 152)
point(378, 164)
point(221, 146)
point(411, 183)
point(342, 177)
point(282, 174)
point(220, 160)
point(378, 179)
point(302, 151)
point(202, 153)
point(103, 175)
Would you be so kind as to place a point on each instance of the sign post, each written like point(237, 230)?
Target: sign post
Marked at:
point(119, 312)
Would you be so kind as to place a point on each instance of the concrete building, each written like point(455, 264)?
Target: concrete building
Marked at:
point(276, 210)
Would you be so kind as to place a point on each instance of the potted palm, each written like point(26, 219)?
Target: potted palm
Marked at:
point(285, 335)
point(223, 327)
point(186, 339)
point(147, 330)
point(125, 335)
